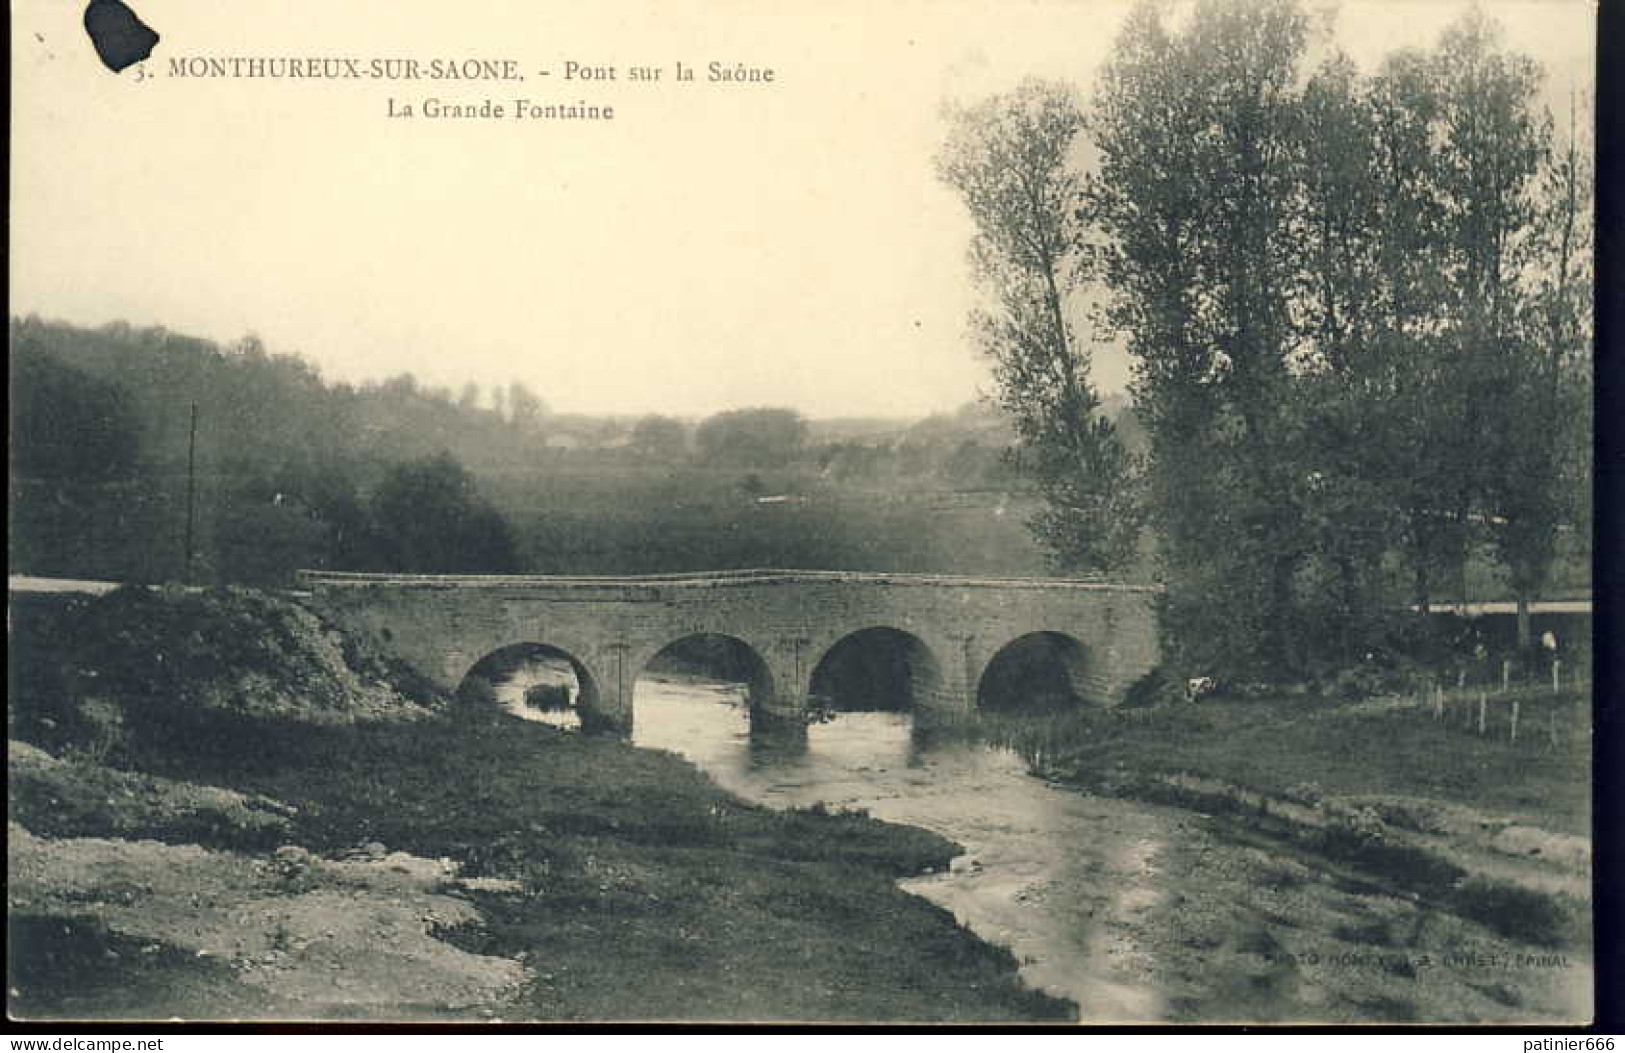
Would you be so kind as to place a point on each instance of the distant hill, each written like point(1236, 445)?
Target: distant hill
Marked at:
point(289, 468)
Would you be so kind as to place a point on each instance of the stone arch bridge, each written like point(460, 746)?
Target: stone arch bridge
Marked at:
point(947, 631)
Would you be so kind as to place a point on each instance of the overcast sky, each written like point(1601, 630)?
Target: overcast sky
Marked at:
point(714, 246)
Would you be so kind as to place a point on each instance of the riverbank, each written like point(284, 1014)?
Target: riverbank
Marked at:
point(1348, 862)
point(1307, 748)
point(413, 860)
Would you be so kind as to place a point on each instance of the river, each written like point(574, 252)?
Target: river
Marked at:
point(1059, 878)
point(1137, 913)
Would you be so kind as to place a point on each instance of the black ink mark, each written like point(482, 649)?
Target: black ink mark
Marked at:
point(121, 38)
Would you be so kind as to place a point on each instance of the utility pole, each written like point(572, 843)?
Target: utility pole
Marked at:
point(191, 490)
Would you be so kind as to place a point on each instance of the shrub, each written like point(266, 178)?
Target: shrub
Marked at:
point(1156, 688)
point(1376, 674)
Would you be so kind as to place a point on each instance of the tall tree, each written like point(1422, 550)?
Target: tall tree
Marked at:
point(1541, 462)
point(1010, 159)
point(1414, 412)
point(1488, 141)
point(1347, 449)
point(1196, 196)
point(525, 407)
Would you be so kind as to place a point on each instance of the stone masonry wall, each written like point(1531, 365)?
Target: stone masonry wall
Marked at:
point(614, 626)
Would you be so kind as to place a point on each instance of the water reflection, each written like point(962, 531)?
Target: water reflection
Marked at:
point(708, 723)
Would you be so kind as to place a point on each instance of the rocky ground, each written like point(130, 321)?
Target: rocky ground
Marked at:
point(294, 932)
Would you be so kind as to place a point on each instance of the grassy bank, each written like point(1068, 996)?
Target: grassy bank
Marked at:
point(1303, 746)
point(646, 892)
point(1383, 791)
point(1348, 861)
point(557, 877)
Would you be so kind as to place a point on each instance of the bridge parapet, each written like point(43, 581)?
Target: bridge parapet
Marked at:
point(313, 579)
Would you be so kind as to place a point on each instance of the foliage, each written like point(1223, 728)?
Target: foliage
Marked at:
point(67, 426)
point(294, 489)
point(753, 438)
point(1009, 159)
point(1358, 306)
point(1356, 309)
point(1541, 450)
point(40, 708)
point(1372, 677)
point(81, 798)
point(1194, 197)
point(1156, 688)
point(284, 461)
point(429, 518)
point(525, 409)
point(478, 695)
point(659, 438)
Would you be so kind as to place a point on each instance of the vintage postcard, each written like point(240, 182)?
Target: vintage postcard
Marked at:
point(929, 512)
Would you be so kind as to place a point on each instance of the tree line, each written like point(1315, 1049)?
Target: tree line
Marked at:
point(1357, 307)
point(289, 471)
point(295, 471)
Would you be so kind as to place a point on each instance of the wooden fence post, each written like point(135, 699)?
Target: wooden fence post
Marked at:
point(1557, 670)
point(1514, 720)
point(1483, 710)
point(1506, 673)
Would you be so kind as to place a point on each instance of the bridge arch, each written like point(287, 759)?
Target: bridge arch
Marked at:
point(877, 668)
point(529, 662)
point(720, 656)
point(1036, 672)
